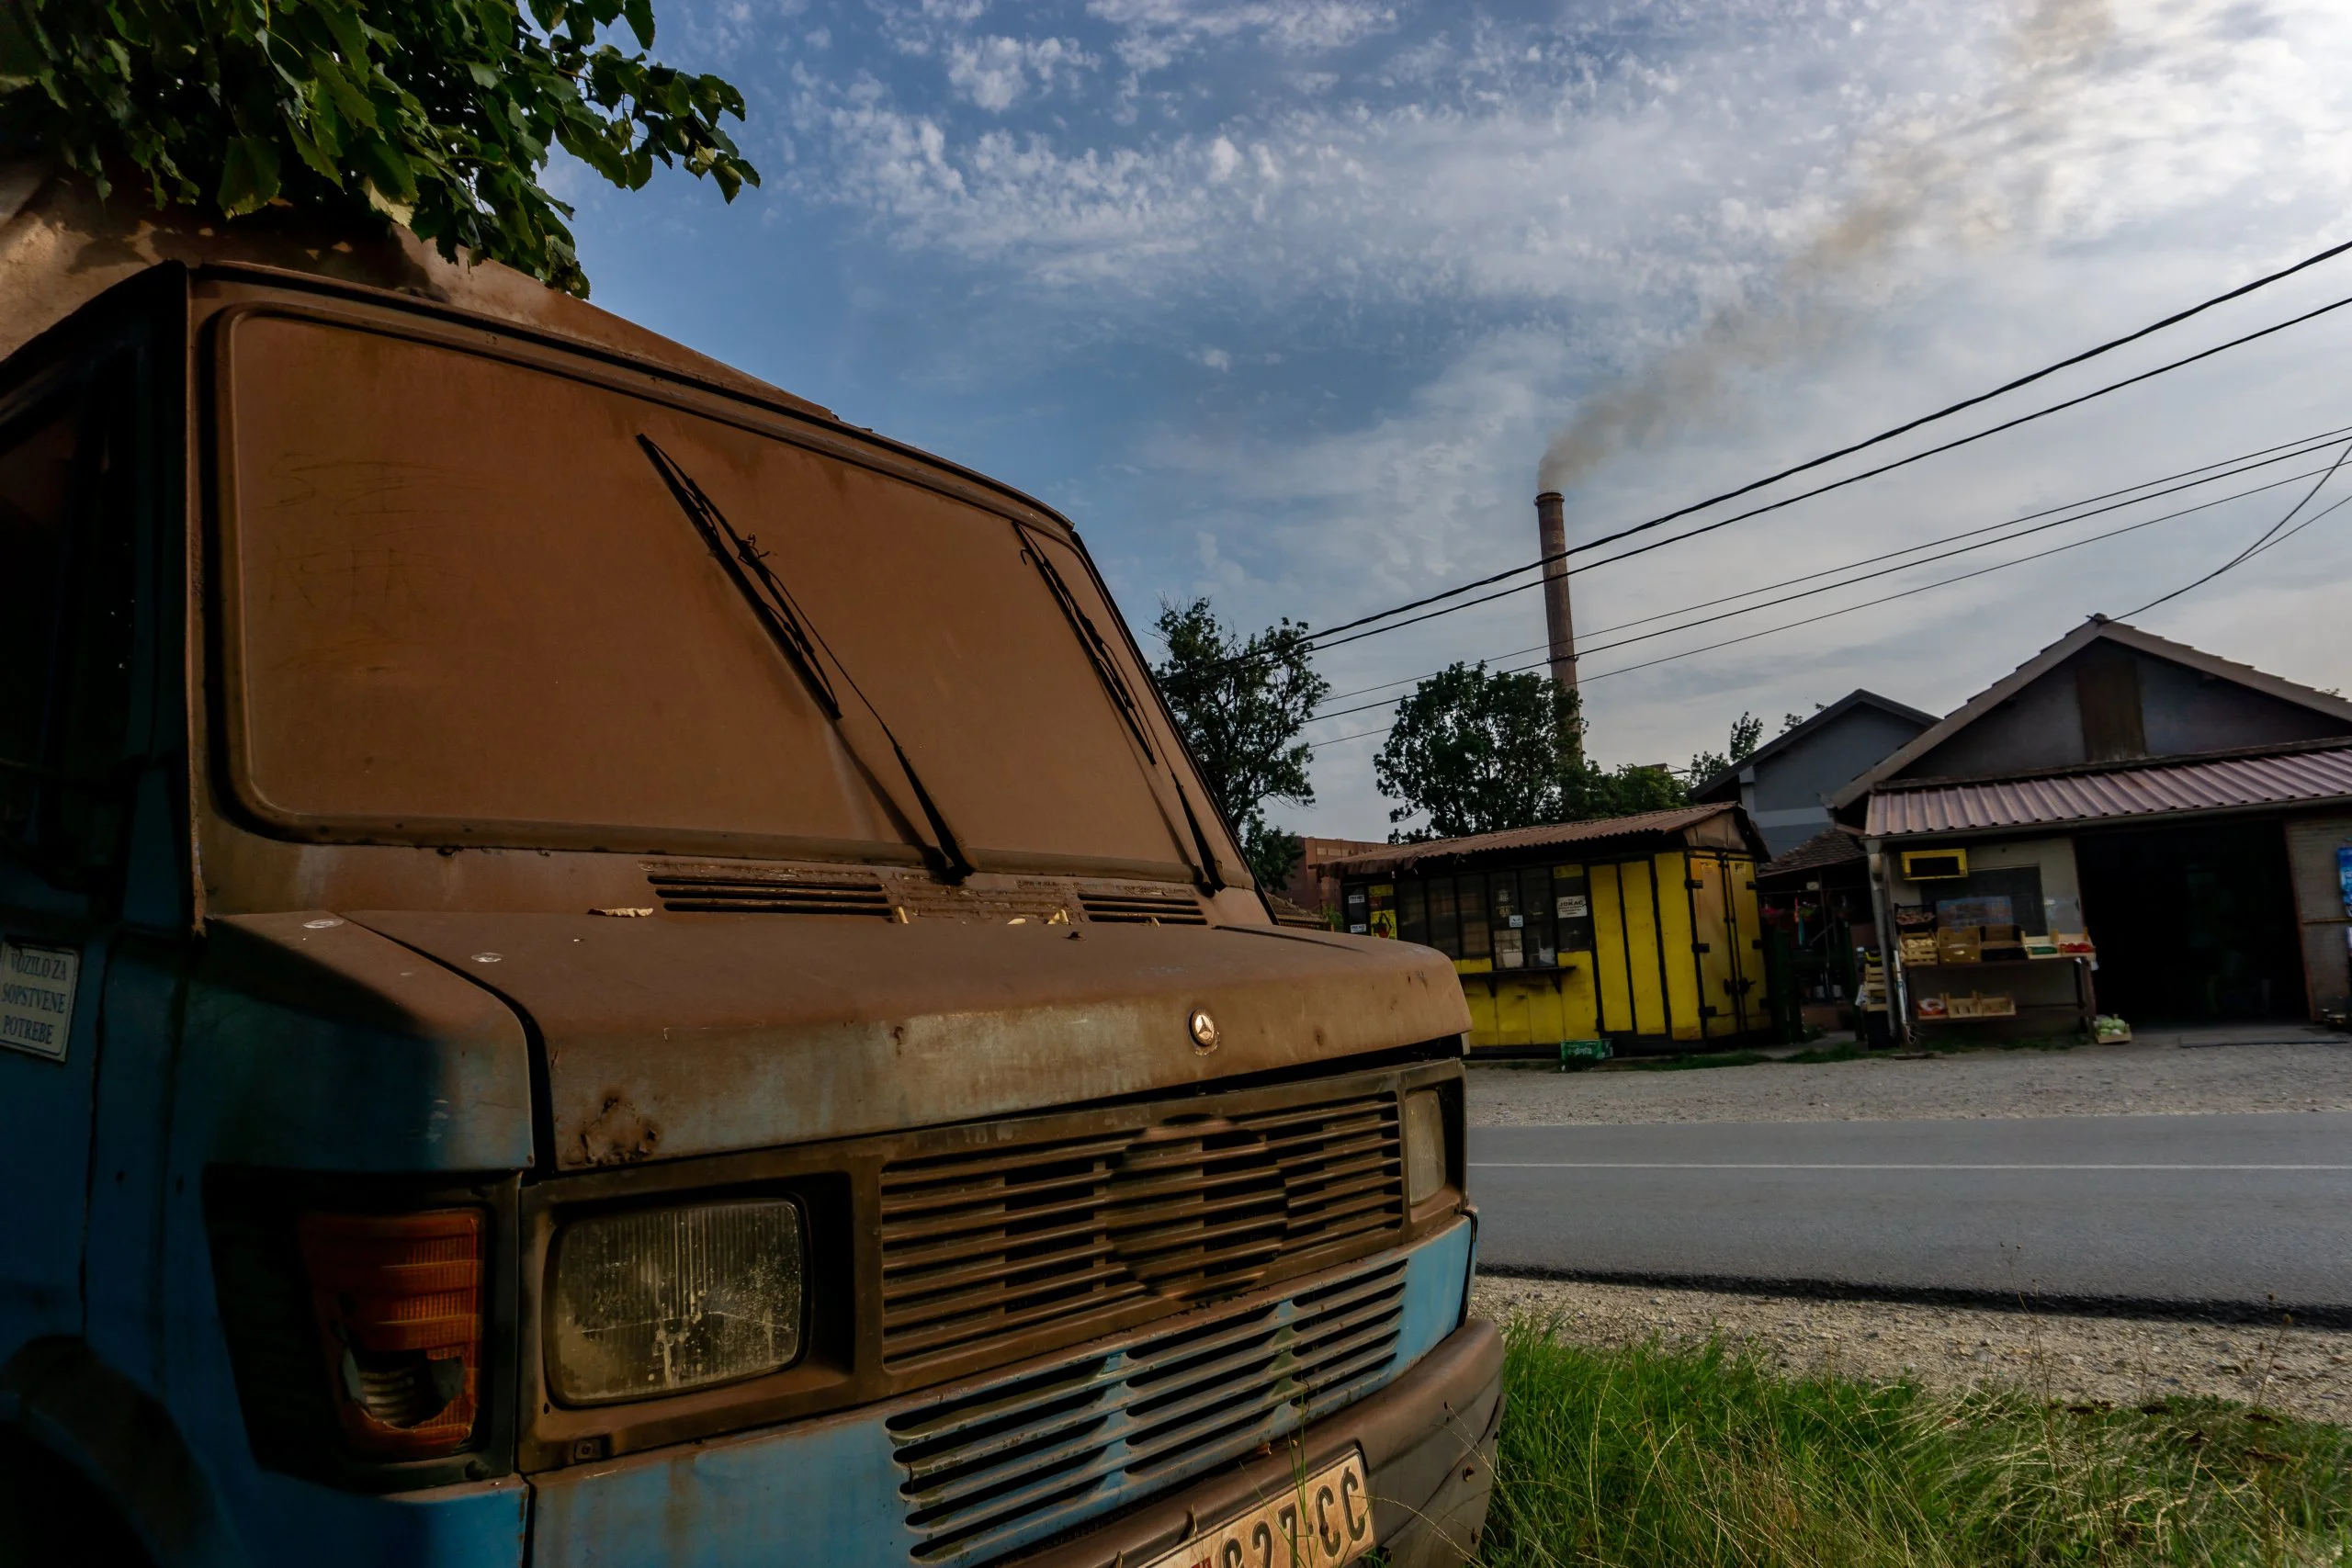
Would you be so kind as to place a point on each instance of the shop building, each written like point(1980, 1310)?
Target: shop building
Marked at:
point(2124, 825)
point(1633, 933)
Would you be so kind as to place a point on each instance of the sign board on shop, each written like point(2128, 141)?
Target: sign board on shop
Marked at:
point(37, 998)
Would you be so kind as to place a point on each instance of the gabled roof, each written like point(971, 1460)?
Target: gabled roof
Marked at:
point(1857, 697)
point(1398, 857)
point(2057, 653)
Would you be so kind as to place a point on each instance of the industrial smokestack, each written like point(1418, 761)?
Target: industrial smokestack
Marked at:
point(1551, 526)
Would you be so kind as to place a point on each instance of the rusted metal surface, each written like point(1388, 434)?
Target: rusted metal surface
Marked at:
point(2302, 775)
point(292, 1018)
point(868, 1338)
point(585, 776)
point(62, 245)
point(684, 1035)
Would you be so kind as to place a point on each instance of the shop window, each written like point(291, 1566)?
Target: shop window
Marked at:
point(1358, 900)
point(1572, 908)
point(1509, 920)
point(1535, 903)
point(1470, 898)
point(1412, 915)
point(1444, 928)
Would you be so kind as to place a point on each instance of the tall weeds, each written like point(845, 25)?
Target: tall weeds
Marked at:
point(1654, 1456)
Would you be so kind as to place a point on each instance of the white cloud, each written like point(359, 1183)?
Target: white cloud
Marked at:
point(995, 72)
point(1155, 34)
point(1878, 207)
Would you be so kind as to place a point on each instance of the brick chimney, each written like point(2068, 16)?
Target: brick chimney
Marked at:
point(1551, 526)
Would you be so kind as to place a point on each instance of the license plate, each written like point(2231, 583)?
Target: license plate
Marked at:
point(1324, 1521)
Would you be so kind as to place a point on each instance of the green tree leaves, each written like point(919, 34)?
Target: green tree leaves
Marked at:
point(1241, 702)
point(1745, 731)
point(1477, 751)
point(441, 113)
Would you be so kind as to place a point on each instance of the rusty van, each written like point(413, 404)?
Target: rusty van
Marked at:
point(605, 968)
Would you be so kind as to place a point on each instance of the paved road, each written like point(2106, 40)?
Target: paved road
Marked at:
point(2228, 1209)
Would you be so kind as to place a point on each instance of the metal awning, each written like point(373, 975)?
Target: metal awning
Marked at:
point(2301, 776)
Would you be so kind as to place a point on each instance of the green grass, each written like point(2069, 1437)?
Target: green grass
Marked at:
point(1661, 1458)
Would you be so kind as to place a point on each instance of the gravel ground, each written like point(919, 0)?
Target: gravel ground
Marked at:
point(2078, 1360)
point(2089, 1080)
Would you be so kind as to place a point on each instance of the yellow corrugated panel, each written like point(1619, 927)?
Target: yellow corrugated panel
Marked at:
point(1513, 1023)
point(1674, 938)
point(1719, 965)
point(1579, 1004)
point(1542, 991)
point(1643, 902)
point(1751, 950)
point(1482, 1014)
point(1616, 1004)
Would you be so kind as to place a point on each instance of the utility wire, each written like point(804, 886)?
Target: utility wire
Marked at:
point(2304, 525)
point(1883, 599)
point(2007, 529)
point(1319, 647)
point(2255, 548)
point(2026, 380)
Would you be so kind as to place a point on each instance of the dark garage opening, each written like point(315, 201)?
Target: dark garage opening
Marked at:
point(2193, 924)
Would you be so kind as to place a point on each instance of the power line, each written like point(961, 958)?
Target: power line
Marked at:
point(2112, 343)
point(1925, 586)
point(1318, 646)
point(2255, 548)
point(1883, 599)
point(1946, 555)
point(2300, 526)
point(2009, 529)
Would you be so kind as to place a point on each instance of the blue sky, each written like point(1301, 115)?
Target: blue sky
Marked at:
point(1285, 303)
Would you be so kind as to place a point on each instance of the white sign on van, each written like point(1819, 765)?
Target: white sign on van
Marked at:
point(37, 998)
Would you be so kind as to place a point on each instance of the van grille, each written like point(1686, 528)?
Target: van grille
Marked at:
point(1018, 1460)
point(983, 1247)
point(1133, 908)
point(732, 890)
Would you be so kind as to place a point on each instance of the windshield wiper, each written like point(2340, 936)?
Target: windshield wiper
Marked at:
point(1122, 697)
point(747, 567)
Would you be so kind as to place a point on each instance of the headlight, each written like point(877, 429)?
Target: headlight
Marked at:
point(659, 1301)
point(1424, 1145)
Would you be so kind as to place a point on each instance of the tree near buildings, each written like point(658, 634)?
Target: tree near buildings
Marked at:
point(1241, 702)
point(1745, 731)
point(1475, 750)
point(440, 114)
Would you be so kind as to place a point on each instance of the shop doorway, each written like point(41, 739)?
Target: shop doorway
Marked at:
point(2193, 924)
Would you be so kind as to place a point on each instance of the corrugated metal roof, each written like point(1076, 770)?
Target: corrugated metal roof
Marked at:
point(1400, 856)
point(2221, 784)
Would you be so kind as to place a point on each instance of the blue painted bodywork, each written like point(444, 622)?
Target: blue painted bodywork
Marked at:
point(829, 1490)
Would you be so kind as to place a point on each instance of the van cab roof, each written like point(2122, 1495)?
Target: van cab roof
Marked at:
point(62, 245)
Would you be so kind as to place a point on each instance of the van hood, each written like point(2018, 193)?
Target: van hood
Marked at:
point(681, 1035)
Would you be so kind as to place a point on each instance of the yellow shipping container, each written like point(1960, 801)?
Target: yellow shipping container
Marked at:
point(1643, 931)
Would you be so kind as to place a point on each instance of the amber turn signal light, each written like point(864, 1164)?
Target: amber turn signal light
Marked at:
point(398, 1302)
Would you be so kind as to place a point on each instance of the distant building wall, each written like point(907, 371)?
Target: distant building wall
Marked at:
point(1310, 887)
point(2109, 702)
point(1786, 794)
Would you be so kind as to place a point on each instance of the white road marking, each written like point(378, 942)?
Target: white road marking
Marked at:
point(1691, 1165)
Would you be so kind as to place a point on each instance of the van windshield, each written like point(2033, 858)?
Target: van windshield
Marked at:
point(463, 599)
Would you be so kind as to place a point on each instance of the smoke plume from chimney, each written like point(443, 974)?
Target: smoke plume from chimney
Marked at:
point(1940, 176)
